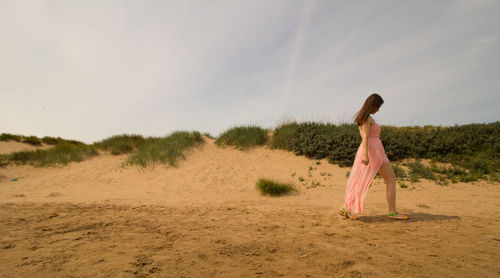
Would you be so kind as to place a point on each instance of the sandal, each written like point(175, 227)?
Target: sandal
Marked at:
point(397, 216)
point(343, 212)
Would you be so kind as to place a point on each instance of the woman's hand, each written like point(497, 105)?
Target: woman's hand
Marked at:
point(365, 159)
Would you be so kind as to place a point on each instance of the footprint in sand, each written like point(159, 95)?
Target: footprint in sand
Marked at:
point(19, 195)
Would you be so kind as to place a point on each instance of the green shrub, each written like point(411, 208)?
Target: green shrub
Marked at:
point(32, 140)
point(10, 137)
point(273, 188)
point(243, 137)
point(165, 150)
point(120, 144)
point(319, 140)
point(474, 147)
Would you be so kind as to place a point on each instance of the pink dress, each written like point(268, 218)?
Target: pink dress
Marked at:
point(362, 175)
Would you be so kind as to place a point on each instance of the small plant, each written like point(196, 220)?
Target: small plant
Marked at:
point(243, 138)
point(314, 184)
point(455, 174)
point(399, 172)
point(273, 188)
point(310, 168)
point(441, 180)
point(301, 179)
point(403, 185)
point(329, 174)
point(348, 173)
point(418, 170)
point(293, 174)
point(322, 174)
point(318, 162)
point(423, 206)
point(414, 178)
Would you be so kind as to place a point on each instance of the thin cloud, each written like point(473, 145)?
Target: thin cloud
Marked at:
point(100, 68)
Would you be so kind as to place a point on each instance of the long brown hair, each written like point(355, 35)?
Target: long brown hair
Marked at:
point(372, 103)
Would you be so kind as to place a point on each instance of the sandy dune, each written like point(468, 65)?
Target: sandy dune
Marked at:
point(206, 219)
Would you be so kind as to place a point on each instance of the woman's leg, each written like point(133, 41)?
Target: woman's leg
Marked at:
point(387, 173)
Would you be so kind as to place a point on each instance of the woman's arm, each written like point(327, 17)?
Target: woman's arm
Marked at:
point(364, 130)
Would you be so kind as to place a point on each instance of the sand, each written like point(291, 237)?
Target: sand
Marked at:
point(206, 218)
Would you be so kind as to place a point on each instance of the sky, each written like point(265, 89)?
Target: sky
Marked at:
point(90, 69)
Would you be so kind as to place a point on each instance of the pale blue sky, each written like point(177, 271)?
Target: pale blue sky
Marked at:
point(87, 70)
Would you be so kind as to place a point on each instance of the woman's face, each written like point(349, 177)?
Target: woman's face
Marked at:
point(375, 111)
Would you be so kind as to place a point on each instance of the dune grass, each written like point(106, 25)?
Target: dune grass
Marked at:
point(10, 137)
point(120, 144)
point(243, 137)
point(283, 136)
point(51, 140)
point(164, 150)
point(32, 140)
point(35, 141)
point(61, 154)
point(274, 188)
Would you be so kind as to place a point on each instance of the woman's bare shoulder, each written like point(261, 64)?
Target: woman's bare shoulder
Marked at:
point(369, 121)
point(367, 124)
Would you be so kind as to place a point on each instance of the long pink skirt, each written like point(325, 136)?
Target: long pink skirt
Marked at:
point(362, 175)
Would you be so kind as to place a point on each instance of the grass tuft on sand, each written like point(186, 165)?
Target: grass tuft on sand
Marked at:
point(164, 150)
point(274, 188)
point(120, 144)
point(62, 153)
point(243, 137)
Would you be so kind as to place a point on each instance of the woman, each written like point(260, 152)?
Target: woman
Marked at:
point(370, 159)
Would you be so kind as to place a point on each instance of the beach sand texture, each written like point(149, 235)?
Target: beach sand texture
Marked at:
point(206, 218)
